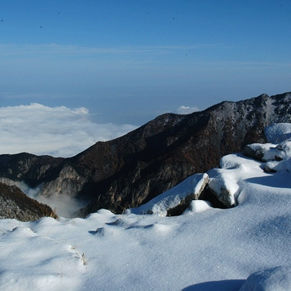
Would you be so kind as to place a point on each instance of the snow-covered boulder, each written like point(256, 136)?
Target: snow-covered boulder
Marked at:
point(276, 157)
point(224, 186)
point(178, 196)
point(281, 161)
point(278, 132)
point(226, 182)
point(262, 152)
point(275, 279)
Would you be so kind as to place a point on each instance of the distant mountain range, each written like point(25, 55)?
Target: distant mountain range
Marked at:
point(129, 171)
point(15, 204)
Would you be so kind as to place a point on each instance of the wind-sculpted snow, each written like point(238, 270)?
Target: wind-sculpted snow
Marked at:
point(274, 279)
point(205, 249)
point(37, 262)
point(278, 132)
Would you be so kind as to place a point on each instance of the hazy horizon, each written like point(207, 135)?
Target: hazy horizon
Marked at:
point(128, 61)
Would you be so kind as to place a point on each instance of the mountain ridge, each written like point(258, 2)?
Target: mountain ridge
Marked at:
point(130, 170)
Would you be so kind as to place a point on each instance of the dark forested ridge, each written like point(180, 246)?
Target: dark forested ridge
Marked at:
point(130, 170)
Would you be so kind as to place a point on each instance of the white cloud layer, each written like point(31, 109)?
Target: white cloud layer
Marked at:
point(56, 131)
point(187, 109)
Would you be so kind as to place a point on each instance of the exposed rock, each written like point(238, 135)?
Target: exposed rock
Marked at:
point(186, 202)
point(254, 152)
point(276, 157)
point(31, 169)
point(15, 204)
point(263, 152)
point(210, 196)
point(224, 189)
point(131, 170)
point(177, 199)
point(68, 182)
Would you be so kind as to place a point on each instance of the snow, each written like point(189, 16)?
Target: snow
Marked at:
point(227, 181)
point(278, 132)
point(35, 262)
point(159, 205)
point(274, 279)
point(198, 206)
point(271, 152)
point(204, 249)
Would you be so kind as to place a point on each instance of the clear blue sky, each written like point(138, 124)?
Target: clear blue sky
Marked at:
point(128, 61)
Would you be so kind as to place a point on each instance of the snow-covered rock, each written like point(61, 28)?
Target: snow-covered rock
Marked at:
point(278, 133)
point(224, 186)
point(227, 182)
point(274, 279)
point(276, 157)
point(285, 154)
point(262, 152)
point(223, 182)
point(181, 194)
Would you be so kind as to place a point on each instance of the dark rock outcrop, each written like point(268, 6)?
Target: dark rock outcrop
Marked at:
point(15, 204)
point(129, 171)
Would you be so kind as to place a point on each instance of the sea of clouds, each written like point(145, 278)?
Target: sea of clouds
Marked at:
point(56, 131)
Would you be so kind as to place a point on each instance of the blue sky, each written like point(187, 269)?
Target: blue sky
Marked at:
point(127, 61)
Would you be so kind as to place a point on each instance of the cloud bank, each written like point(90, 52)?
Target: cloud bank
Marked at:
point(187, 109)
point(56, 131)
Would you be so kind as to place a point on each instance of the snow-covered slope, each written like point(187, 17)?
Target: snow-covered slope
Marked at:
point(204, 249)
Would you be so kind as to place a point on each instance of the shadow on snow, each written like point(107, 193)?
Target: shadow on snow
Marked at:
point(224, 285)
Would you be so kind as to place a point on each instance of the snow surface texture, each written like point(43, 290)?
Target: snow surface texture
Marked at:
point(204, 249)
point(159, 205)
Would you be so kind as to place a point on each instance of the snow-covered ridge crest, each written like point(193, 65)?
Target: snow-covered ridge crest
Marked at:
point(227, 182)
